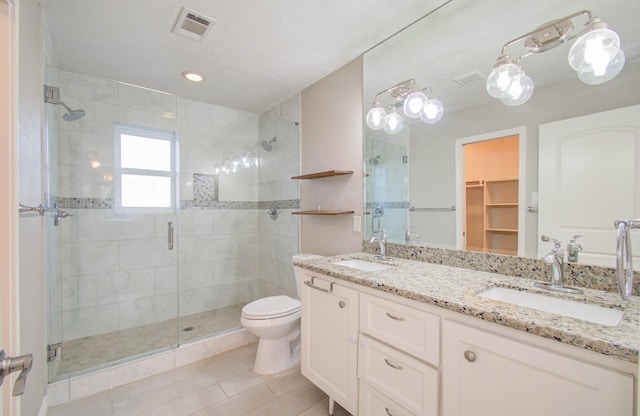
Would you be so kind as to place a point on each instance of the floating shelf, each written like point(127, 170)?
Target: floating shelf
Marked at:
point(322, 212)
point(324, 174)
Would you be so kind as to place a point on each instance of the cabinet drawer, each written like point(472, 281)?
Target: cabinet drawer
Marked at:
point(374, 403)
point(405, 380)
point(406, 328)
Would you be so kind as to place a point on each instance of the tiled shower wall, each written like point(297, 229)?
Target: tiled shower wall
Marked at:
point(115, 269)
point(279, 237)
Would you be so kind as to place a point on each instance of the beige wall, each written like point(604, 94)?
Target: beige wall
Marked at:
point(32, 284)
point(331, 138)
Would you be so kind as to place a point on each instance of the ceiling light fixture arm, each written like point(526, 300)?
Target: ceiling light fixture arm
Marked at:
point(563, 32)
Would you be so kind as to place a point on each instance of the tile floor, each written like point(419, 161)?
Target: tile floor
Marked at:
point(223, 385)
point(92, 352)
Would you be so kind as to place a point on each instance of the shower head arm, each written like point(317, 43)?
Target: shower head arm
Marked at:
point(64, 105)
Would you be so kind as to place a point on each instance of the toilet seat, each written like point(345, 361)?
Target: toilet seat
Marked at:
point(271, 307)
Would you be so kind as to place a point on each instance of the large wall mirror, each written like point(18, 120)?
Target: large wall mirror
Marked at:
point(486, 177)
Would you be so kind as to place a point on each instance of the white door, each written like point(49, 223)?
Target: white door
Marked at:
point(589, 175)
point(8, 204)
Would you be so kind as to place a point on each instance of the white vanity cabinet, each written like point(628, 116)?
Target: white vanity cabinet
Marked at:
point(490, 375)
point(330, 339)
point(398, 358)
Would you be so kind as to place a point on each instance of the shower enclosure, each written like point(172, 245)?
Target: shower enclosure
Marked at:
point(151, 254)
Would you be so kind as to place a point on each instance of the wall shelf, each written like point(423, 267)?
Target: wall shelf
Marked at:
point(322, 212)
point(324, 174)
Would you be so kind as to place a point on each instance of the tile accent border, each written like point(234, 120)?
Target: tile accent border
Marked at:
point(593, 277)
point(205, 203)
point(389, 204)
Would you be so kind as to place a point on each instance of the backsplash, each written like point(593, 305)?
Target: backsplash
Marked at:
point(594, 277)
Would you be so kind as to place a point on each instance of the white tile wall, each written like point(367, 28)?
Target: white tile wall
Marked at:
point(116, 269)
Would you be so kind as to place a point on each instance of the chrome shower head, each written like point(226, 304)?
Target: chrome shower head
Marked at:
point(52, 96)
point(266, 145)
point(72, 115)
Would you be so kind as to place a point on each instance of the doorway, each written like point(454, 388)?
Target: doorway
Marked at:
point(489, 192)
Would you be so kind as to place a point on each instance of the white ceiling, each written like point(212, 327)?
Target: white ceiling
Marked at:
point(258, 53)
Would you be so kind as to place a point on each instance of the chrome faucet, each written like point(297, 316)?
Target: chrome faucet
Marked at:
point(382, 240)
point(556, 259)
point(573, 249)
point(409, 236)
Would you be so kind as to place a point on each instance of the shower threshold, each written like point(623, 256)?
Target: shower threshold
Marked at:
point(88, 353)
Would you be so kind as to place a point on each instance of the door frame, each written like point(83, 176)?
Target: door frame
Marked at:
point(9, 319)
point(460, 189)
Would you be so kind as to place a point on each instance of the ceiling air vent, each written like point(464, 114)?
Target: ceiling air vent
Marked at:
point(192, 25)
point(469, 78)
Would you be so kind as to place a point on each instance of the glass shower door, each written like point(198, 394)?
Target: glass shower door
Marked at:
point(111, 271)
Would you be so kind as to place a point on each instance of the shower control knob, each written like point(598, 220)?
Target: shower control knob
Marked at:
point(342, 304)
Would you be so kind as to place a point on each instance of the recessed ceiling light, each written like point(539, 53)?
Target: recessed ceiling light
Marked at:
point(192, 76)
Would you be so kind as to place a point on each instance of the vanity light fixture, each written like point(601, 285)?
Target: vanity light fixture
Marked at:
point(192, 76)
point(596, 56)
point(415, 103)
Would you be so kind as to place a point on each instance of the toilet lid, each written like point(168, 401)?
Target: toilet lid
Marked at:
point(271, 307)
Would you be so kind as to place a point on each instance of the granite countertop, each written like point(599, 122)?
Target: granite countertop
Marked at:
point(457, 289)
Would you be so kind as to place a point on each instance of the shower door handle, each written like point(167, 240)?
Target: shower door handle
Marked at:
point(170, 235)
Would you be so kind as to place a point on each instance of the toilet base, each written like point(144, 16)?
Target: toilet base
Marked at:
point(274, 356)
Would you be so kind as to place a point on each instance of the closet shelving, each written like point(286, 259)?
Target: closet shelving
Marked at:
point(501, 216)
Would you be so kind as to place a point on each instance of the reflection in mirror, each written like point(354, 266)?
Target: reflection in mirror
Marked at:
point(453, 51)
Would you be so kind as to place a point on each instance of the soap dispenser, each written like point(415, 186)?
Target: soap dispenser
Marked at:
point(573, 249)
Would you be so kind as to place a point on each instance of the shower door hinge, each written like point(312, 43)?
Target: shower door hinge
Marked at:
point(54, 352)
point(405, 159)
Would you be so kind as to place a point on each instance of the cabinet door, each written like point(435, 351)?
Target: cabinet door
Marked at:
point(330, 340)
point(485, 374)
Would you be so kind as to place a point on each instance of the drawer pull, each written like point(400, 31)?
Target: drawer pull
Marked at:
point(386, 409)
point(397, 318)
point(470, 356)
point(397, 367)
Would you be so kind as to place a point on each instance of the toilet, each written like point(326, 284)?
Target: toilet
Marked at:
point(275, 320)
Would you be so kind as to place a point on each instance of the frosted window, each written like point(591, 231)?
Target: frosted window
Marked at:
point(141, 191)
point(144, 167)
point(145, 153)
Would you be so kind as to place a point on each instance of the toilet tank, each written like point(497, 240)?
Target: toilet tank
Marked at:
point(299, 272)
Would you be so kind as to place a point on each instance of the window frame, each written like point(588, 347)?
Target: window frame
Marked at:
point(148, 133)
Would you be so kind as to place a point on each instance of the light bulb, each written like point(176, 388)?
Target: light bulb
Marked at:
point(610, 71)
point(393, 123)
point(500, 78)
point(413, 104)
point(432, 112)
point(376, 118)
point(593, 51)
point(519, 92)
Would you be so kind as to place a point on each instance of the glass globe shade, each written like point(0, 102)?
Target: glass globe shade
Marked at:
point(613, 69)
point(500, 78)
point(519, 92)
point(393, 123)
point(413, 104)
point(376, 118)
point(593, 51)
point(432, 112)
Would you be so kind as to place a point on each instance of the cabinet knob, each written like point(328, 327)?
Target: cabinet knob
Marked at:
point(342, 304)
point(470, 356)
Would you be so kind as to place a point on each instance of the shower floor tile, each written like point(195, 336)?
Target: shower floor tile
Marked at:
point(96, 351)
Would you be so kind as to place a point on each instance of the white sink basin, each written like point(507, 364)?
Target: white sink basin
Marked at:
point(363, 265)
point(584, 311)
